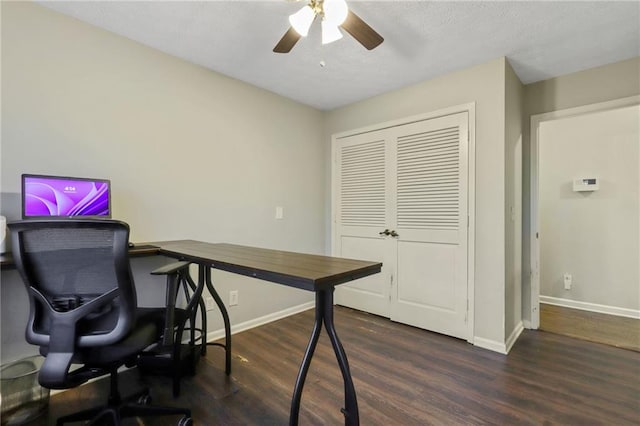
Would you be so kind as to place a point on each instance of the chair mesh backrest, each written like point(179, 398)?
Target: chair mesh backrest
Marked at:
point(71, 263)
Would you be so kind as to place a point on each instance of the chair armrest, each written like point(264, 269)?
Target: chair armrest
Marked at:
point(62, 341)
point(171, 268)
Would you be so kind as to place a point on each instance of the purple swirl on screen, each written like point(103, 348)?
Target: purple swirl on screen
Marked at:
point(65, 197)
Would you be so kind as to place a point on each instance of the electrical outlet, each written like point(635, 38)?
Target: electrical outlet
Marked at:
point(568, 280)
point(210, 303)
point(233, 297)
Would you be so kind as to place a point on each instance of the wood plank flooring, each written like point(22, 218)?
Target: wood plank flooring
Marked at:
point(402, 375)
point(612, 330)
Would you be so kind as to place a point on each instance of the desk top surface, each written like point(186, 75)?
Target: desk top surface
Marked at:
point(306, 271)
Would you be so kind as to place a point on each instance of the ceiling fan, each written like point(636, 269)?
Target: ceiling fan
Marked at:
point(335, 14)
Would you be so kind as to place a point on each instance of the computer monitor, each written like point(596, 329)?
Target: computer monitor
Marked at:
point(63, 197)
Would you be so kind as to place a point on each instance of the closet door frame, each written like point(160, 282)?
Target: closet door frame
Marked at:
point(469, 108)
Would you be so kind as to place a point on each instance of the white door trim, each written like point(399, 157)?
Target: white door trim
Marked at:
point(536, 120)
point(470, 109)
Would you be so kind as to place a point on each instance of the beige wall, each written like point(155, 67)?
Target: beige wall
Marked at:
point(514, 100)
point(591, 235)
point(190, 153)
point(609, 82)
point(600, 84)
point(484, 85)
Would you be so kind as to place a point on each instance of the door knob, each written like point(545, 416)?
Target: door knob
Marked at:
point(394, 233)
point(385, 232)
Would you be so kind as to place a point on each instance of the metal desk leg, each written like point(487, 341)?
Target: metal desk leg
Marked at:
point(306, 361)
point(225, 318)
point(170, 304)
point(351, 415)
point(203, 309)
point(324, 314)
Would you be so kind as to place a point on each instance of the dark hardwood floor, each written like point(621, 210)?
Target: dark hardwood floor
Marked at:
point(403, 376)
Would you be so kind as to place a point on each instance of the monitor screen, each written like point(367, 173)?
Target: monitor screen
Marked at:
point(58, 196)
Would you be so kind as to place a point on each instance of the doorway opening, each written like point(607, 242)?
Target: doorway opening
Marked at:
point(585, 227)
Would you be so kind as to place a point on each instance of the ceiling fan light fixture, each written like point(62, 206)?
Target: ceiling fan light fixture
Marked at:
point(334, 15)
point(335, 11)
point(301, 20)
point(330, 32)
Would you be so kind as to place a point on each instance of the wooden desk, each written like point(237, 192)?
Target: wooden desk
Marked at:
point(319, 274)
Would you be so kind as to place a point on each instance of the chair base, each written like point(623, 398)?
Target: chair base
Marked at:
point(136, 405)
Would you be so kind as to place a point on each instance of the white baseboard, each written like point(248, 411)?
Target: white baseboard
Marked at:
point(500, 347)
point(517, 331)
point(592, 307)
point(492, 345)
point(256, 322)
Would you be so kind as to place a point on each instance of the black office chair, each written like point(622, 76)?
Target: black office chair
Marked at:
point(83, 310)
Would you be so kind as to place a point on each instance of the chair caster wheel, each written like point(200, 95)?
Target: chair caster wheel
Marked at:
point(144, 400)
point(185, 421)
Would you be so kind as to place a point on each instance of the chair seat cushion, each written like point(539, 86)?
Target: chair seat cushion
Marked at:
point(143, 334)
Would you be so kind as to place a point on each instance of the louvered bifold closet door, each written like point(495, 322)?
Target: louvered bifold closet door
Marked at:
point(362, 212)
point(363, 185)
point(428, 185)
point(431, 222)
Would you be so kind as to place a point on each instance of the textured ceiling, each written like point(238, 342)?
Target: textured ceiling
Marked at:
point(423, 39)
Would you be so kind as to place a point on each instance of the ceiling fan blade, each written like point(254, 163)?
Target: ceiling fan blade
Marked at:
point(288, 40)
point(361, 31)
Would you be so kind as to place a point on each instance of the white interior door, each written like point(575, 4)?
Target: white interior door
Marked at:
point(362, 213)
point(431, 210)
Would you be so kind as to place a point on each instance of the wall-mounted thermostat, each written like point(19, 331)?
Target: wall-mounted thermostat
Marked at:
point(585, 184)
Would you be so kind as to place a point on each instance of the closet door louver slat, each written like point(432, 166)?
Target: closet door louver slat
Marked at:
point(362, 189)
point(428, 188)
